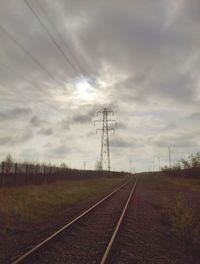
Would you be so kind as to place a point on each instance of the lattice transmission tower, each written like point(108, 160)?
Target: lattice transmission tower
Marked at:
point(107, 125)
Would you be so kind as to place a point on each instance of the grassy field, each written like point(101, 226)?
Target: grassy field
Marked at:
point(161, 180)
point(179, 200)
point(30, 206)
point(189, 183)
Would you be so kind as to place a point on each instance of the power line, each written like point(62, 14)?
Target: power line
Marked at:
point(61, 37)
point(51, 37)
point(11, 37)
point(19, 74)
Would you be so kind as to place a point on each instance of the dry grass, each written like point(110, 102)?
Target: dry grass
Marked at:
point(26, 208)
point(189, 183)
point(180, 215)
point(184, 225)
point(179, 202)
point(33, 204)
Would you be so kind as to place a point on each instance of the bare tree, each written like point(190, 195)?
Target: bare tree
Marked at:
point(63, 165)
point(165, 168)
point(195, 160)
point(8, 163)
point(186, 163)
point(176, 166)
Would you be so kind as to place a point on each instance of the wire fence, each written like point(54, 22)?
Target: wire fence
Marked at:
point(13, 174)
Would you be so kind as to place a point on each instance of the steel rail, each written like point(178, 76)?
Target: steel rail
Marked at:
point(64, 228)
point(114, 235)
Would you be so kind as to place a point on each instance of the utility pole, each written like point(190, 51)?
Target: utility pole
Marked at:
point(150, 169)
point(105, 148)
point(159, 163)
point(84, 165)
point(130, 166)
point(170, 162)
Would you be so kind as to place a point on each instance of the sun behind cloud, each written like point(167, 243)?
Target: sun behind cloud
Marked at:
point(84, 90)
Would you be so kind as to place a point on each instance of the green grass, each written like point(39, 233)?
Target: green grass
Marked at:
point(34, 204)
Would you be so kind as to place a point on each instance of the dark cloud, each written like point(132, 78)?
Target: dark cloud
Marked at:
point(118, 142)
point(194, 116)
point(179, 88)
point(37, 121)
point(59, 152)
point(15, 139)
point(86, 113)
point(181, 140)
point(83, 118)
point(45, 131)
point(14, 113)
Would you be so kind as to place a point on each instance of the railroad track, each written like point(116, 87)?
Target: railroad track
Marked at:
point(86, 232)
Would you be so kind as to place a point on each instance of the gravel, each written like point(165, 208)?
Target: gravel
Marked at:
point(86, 242)
point(145, 236)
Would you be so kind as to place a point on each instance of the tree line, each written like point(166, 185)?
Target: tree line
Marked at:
point(9, 163)
point(192, 162)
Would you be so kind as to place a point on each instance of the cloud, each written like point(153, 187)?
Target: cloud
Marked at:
point(65, 124)
point(119, 142)
point(82, 118)
point(83, 115)
point(141, 59)
point(37, 121)
point(29, 154)
point(45, 131)
point(59, 151)
point(194, 116)
point(121, 125)
point(15, 139)
point(14, 113)
point(181, 140)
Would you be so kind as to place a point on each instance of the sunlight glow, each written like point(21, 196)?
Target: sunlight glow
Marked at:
point(84, 90)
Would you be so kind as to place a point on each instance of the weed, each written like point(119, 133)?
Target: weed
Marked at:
point(184, 226)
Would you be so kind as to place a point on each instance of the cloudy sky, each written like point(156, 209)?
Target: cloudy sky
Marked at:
point(62, 61)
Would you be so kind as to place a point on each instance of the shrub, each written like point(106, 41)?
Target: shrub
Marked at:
point(182, 220)
point(180, 216)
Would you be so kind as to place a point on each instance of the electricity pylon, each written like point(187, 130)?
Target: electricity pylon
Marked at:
point(104, 162)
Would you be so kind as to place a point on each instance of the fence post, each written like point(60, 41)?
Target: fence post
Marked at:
point(15, 176)
point(26, 179)
point(2, 171)
point(35, 172)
